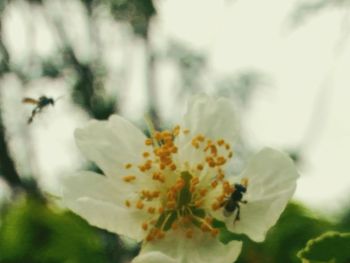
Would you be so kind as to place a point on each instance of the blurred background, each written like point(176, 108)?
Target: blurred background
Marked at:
point(284, 64)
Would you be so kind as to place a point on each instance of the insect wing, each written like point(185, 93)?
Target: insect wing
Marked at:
point(227, 213)
point(30, 101)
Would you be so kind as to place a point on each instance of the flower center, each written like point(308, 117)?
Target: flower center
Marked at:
point(177, 197)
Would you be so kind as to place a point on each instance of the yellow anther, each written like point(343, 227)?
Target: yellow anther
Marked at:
point(160, 210)
point(148, 142)
point(160, 234)
point(215, 206)
point(129, 178)
point(220, 160)
point(230, 154)
point(198, 203)
point(173, 167)
point(194, 180)
point(157, 136)
point(176, 130)
point(214, 232)
point(220, 198)
point(171, 204)
point(139, 204)
point(128, 166)
point(200, 167)
point(227, 146)
point(144, 226)
point(205, 227)
point(142, 168)
point(151, 210)
point(200, 138)
point(221, 142)
point(146, 154)
point(149, 237)
point(174, 225)
point(186, 220)
point(209, 220)
point(127, 203)
point(155, 194)
point(171, 195)
point(195, 144)
point(174, 149)
point(213, 150)
point(203, 192)
point(189, 233)
point(227, 188)
point(186, 131)
point(179, 184)
point(212, 164)
point(220, 175)
point(214, 183)
point(192, 188)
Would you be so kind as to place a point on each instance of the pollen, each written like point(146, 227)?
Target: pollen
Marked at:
point(148, 142)
point(221, 142)
point(145, 226)
point(214, 184)
point(215, 206)
point(189, 233)
point(176, 130)
point(128, 166)
point(139, 204)
point(129, 178)
point(146, 154)
point(200, 167)
point(127, 203)
point(214, 232)
point(203, 192)
point(186, 131)
point(151, 210)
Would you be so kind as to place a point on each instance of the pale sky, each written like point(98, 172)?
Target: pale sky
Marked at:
point(307, 66)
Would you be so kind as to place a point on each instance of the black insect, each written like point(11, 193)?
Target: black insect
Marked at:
point(232, 204)
point(40, 103)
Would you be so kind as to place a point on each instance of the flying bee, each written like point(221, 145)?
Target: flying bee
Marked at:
point(40, 103)
point(232, 204)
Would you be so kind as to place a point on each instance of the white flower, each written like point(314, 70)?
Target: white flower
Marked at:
point(166, 190)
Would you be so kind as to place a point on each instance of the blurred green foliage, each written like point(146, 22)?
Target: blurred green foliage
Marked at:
point(329, 247)
point(32, 232)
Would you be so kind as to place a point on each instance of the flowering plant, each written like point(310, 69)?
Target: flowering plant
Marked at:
point(169, 190)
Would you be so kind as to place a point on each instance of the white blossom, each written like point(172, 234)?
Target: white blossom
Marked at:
point(166, 190)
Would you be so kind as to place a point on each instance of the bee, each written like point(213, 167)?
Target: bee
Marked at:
point(232, 204)
point(40, 103)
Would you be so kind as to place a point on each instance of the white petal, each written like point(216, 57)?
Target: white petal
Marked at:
point(111, 144)
point(199, 249)
point(99, 200)
point(272, 181)
point(214, 118)
point(154, 257)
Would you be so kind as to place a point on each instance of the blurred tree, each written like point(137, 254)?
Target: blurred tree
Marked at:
point(191, 66)
point(242, 85)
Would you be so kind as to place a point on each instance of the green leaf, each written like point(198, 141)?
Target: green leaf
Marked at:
point(329, 247)
point(32, 232)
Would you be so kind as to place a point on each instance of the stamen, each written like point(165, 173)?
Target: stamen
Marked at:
point(128, 166)
point(144, 226)
point(129, 178)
